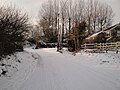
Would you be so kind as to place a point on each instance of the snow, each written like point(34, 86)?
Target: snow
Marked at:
point(46, 69)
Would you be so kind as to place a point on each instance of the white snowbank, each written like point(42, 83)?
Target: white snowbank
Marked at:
point(46, 69)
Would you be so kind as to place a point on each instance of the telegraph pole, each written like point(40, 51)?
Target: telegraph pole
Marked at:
point(58, 44)
point(59, 32)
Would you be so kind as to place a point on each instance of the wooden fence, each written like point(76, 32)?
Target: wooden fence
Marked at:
point(113, 46)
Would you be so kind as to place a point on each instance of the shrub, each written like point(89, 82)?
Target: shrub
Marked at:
point(13, 28)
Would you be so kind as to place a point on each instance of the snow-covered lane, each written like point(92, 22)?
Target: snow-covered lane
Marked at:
point(56, 71)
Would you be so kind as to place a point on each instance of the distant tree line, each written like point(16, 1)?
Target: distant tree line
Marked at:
point(59, 21)
point(13, 28)
point(66, 16)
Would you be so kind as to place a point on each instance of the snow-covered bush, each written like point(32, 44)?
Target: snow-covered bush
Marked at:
point(13, 27)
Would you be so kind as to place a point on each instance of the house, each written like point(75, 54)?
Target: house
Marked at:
point(98, 37)
point(111, 34)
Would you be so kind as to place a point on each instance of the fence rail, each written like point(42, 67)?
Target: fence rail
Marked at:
point(113, 46)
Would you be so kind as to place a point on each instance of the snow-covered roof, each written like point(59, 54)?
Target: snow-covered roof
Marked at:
point(112, 27)
point(95, 34)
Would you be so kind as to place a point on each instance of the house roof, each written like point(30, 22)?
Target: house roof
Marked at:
point(112, 27)
point(93, 35)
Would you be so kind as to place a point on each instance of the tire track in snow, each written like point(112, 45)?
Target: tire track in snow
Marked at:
point(51, 73)
point(20, 76)
point(98, 74)
point(53, 79)
point(88, 70)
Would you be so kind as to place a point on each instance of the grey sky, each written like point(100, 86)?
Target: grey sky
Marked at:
point(32, 6)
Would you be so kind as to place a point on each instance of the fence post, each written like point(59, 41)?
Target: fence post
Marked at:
point(94, 45)
point(106, 47)
point(116, 47)
point(100, 46)
point(85, 45)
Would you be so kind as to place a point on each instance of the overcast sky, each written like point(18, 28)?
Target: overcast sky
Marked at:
point(32, 6)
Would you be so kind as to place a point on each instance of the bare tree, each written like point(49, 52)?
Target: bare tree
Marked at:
point(99, 16)
point(88, 11)
point(105, 16)
point(94, 14)
point(48, 16)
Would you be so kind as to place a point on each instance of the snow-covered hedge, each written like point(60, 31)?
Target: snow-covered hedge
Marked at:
point(13, 28)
